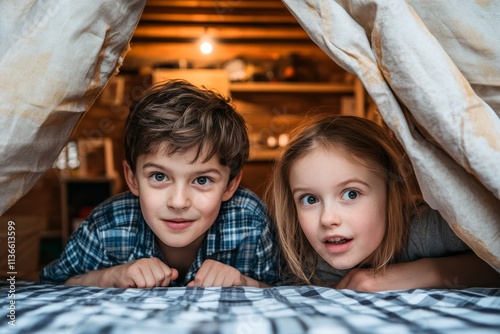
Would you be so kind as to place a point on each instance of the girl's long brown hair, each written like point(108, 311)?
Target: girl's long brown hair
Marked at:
point(366, 143)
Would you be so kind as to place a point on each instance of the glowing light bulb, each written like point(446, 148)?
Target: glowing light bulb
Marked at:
point(206, 47)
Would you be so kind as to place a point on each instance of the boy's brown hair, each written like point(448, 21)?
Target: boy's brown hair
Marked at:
point(185, 116)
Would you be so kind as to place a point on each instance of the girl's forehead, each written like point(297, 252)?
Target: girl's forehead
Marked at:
point(341, 152)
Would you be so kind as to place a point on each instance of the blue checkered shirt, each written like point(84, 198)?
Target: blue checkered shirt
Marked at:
point(116, 233)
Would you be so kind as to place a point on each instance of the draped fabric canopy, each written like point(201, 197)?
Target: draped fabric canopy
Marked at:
point(433, 70)
point(55, 58)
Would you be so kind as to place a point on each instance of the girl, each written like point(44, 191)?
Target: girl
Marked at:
point(345, 190)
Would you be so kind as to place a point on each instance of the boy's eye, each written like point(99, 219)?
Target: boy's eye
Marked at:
point(158, 177)
point(350, 195)
point(202, 180)
point(308, 200)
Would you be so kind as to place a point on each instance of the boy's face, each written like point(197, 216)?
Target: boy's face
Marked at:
point(180, 200)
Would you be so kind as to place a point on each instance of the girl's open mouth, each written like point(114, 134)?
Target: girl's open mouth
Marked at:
point(337, 241)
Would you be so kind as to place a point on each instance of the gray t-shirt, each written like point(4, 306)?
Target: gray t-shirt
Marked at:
point(430, 236)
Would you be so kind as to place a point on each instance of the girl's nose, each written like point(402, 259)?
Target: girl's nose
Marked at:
point(178, 198)
point(330, 216)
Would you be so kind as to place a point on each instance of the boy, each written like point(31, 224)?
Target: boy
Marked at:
point(185, 221)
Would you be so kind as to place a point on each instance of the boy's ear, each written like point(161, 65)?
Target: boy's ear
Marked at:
point(130, 178)
point(231, 187)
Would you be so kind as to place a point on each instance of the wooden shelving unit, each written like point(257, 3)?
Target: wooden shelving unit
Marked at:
point(78, 193)
point(355, 89)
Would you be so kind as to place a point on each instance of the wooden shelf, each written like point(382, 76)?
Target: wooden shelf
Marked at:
point(262, 154)
point(78, 193)
point(291, 87)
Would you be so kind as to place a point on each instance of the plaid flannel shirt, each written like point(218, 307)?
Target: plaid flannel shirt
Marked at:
point(116, 233)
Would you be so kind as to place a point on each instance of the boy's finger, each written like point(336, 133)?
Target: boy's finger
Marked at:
point(166, 277)
point(202, 272)
point(139, 280)
point(163, 274)
point(227, 281)
point(148, 276)
point(174, 275)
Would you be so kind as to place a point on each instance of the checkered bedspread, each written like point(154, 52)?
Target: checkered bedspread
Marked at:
point(288, 310)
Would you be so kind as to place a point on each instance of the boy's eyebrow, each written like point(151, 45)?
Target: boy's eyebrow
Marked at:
point(204, 171)
point(210, 170)
point(152, 165)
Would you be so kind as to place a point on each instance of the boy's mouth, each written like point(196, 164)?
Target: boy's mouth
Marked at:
point(178, 224)
point(178, 220)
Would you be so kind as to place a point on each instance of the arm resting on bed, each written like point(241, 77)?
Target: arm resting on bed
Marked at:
point(143, 273)
point(452, 272)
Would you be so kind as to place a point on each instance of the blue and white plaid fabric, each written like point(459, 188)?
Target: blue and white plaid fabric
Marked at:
point(308, 309)
point(116, 233)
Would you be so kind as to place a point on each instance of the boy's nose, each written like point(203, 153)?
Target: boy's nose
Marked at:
point(178, 198)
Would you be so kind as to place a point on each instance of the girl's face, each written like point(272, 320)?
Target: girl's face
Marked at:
point(341, 206)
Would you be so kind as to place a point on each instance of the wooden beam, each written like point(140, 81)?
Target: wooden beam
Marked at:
point(220, 33)
point(227, 4)
point(214, 18)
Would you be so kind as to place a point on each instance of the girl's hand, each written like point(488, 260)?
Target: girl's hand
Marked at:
point(399, 276)
point(361, 280)
point(451, 272)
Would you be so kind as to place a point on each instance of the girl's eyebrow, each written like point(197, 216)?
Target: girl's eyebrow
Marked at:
point(340, 185)
point(297, 190)
point(353, 180)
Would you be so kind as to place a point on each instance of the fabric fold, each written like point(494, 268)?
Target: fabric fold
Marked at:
point(405, 68)
point(55, 58)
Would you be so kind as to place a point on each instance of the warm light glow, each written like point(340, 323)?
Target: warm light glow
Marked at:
point(206, 43)
point(206, 47)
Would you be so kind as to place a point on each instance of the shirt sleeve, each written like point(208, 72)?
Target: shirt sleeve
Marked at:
point(265, 267)
point(84, 252)
point(431, 236)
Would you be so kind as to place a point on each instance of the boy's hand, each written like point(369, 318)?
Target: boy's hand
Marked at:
point(214, 273)
point(143, 273)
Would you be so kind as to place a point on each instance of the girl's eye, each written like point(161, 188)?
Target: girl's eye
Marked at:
point(349, 195)
point(202, 180)
point(158, 177)
point(308, 200)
